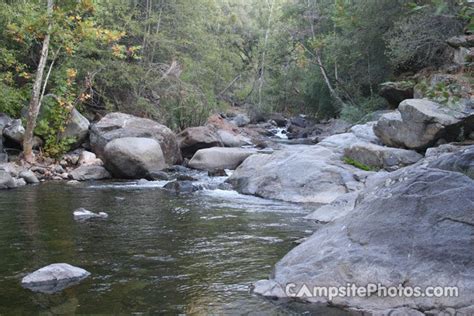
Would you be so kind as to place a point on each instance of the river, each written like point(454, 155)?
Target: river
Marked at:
point(157, 253)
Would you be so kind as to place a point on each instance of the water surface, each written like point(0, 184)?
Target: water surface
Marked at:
point(157, 253)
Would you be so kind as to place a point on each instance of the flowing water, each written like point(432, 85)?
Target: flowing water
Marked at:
point(157, 253)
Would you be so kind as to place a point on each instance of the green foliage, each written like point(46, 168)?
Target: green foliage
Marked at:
point(358, 164)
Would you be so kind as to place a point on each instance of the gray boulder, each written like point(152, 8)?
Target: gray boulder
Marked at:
point(381, 157)
point(89, 172)
point(29, 177)
point(86, 158)
point(419, 123)
point(193, 139)
point(54, 278)
point(219, 158)
point(366, 132)
point(120, 125)
point(14, 131)
point(340, 207)
point(180, 187)
point(6, 180)
point(413, 229)
point(241, 120)
point(77, 128)
point(230, 139)
point(4, 121)
point(302, 174)
point(133, 157)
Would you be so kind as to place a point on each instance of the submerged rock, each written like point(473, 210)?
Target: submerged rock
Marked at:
point(120, 125)
point(82, 214)
point(219, 158)
point(180, 187)
point(413, 228)
point(133, 157)
point(54, 278)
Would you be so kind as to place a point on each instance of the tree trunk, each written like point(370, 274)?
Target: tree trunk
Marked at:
point(35, 102)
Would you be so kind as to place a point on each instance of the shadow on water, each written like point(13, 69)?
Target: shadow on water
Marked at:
point(156, 253)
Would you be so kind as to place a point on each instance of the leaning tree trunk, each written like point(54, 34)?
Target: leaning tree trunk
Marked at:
point(35, 102)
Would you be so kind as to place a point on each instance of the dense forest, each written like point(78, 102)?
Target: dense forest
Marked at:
point(178, 61)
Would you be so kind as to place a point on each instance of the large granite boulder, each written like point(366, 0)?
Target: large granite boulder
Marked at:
point(240, 120)
point(231, 139)
point(381, 157)
point(120, 125)
point(54, 278)
point(77, 128)
point(133, 157)
point(89, 172)
point(193, 139)
point(298, 174)
point(412, 229)
point(219, 158)
point(419, 123)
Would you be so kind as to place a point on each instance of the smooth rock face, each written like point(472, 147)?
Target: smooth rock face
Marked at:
point(77, 127)
point(419, 123)
point(380, 157)
point(133, 157)
point(415, 228)
point(297, 174)
point(366, 132)
point(54, 278)
point(89, 172)
point(219, 158)
point(193, 139)
point(119, 125)
point(6, 180)
point(340, 207)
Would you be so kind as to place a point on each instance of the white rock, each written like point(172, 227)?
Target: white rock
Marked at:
point(54, 278)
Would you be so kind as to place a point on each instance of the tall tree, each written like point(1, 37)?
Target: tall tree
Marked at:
point(35, 102)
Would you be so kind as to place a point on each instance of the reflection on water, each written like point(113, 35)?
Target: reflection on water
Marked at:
point(156, 253)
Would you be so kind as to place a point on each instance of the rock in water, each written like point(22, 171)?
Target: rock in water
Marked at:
point(29, 177)
point(90, 172)
point(120, 125)
point(219, 158)
point(133, 157)
point(6, 180)
point(81, 214)
point(54, 278)
point(301, 174)
point(413, 228)
point(180, 187)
